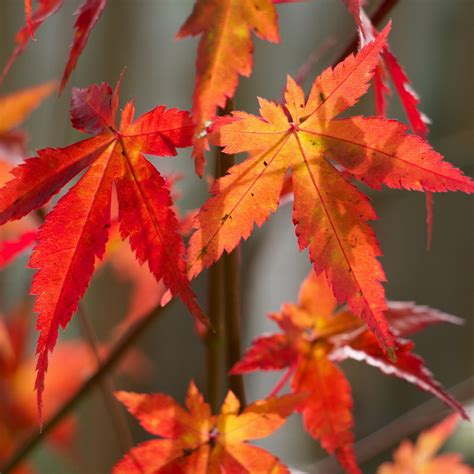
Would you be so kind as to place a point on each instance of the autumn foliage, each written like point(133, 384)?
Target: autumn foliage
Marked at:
point(119, 208)
point(420, 457)
point(315, 338)
point(197, 441)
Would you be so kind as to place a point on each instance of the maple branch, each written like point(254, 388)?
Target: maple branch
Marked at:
point(224, 307)
point(214, 340)
point(232, 319)
point(106, 385)
point(119, 349)
point(411, 422)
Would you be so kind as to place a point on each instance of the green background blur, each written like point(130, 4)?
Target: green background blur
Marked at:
point(433, 40)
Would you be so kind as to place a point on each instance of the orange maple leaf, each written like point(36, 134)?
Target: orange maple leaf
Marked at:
point(14, 109)
point(419, 458)
point(197, 442)
point(225, 52)
point(315, 338)
point(330, 213)
point(19, 416)
point(74, 234)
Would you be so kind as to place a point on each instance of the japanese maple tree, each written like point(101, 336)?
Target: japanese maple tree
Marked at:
point(115, 208)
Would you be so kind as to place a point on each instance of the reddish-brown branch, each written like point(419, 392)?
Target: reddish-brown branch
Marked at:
point(214, 337)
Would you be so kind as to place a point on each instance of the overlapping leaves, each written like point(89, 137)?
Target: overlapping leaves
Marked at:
point(315, 338)
point(75, 232)
point(15, 109)
point(330, 213)
point(225, 52)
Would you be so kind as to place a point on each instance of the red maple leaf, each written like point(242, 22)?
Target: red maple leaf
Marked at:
point(315, 338)
point(75, 232)
point(87, 16)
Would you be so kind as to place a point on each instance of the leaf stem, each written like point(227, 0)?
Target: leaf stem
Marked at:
point(120, 348)
point(106, 385)
point(282, 382)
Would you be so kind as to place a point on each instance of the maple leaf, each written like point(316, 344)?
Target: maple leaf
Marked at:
point(224, 53)
point(87, 16)
point(146, 293)
point(330, 213)
point(417, 120)
point(34, 20)
point(316, 337)
point(15, 237)
point(74, 234)
point(10, 249)
point(389, 66)
point(194, 441)
point(19, 416)
point(14, 109)
point(28, 14)
point(419, 458)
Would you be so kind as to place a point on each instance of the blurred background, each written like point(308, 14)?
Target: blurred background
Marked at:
point(433, 40)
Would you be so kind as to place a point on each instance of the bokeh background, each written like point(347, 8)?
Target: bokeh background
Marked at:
point(434, 41)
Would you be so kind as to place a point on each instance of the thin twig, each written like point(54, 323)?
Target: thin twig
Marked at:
point(120, 348)
point(106, 385)
point(411, 422)
point(282, 382)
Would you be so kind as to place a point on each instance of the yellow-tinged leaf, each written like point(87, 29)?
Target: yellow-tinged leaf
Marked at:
point(197, 442)
point(420, 457)
point(225, 52)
